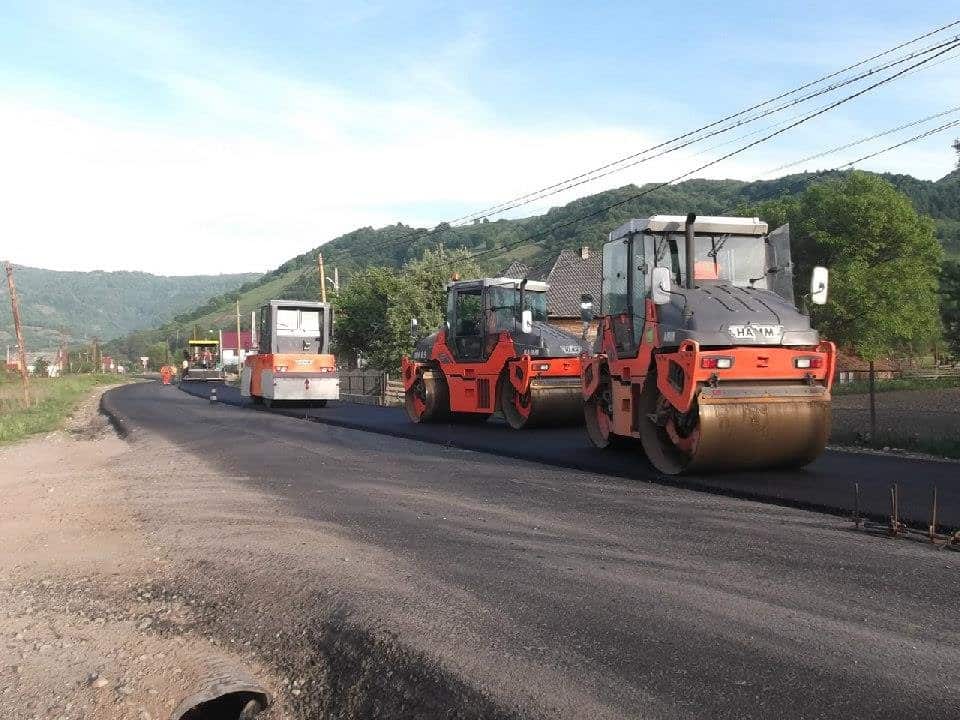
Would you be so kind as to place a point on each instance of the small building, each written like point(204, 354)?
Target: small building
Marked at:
point(570, 274)
point(232, 353)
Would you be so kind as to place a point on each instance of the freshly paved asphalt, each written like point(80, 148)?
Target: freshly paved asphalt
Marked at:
point(827, 485)
point(564, 593)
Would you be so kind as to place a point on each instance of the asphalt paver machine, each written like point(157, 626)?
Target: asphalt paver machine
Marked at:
point(201, 362)
point(701, 353)
point(293, 364)
point(496, 351)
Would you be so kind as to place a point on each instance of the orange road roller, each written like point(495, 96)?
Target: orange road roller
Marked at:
point(701, 353)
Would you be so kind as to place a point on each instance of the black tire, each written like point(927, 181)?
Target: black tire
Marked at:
point(594, 410)
point(428, 400)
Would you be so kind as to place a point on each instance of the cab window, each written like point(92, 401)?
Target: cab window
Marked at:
point(614, 298)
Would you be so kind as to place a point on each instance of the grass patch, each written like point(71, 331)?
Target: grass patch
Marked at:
point(52, 401)
point(862, 387)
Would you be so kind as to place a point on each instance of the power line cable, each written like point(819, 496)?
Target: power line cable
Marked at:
point(915, 138)
point(754, 133)
point(863, 140)
point(496, 208)
point(418, 234)
point(950, 44)
point(623, 165)
point(739, 150)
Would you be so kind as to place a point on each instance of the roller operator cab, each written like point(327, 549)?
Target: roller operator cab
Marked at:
point(293, 364)
point(495, 351)
point(701, 352)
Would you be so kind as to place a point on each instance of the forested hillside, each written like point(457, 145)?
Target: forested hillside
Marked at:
point(101, 304)
point(502, 241)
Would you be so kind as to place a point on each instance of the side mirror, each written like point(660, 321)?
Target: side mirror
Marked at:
point(660, 281)
point(526, 322)
point(819, 284)
point(414, 326)
point(586, 308)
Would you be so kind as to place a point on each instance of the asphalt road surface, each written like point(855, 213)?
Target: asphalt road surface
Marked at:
point(548, 592)
point(827, 485)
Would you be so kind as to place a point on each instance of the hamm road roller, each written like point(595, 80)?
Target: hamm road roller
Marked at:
point(293, 365)
point(495, 352)
point(701, 353)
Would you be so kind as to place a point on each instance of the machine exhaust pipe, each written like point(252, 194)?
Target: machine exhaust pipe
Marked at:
point(688, 229)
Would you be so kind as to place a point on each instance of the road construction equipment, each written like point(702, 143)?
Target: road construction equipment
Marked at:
point(201, 363)
point(495, 352)
point(293, 364)
point(701, 353)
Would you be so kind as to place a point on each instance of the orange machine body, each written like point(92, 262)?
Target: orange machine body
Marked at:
point(287, 372)
point(294, 364)
point(475, 387)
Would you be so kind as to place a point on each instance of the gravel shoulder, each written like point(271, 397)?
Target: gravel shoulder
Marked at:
point(80, 620)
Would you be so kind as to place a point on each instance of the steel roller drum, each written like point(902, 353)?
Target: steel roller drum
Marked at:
point(550, 401)
point(747, 429)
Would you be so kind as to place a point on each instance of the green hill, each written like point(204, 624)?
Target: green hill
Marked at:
point(502, 240)
point(101, 304)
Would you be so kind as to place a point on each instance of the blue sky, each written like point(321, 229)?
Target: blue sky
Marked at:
point(197, 137)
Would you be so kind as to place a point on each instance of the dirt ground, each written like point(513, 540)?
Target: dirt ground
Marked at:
point(902, 415)
point(83, 633)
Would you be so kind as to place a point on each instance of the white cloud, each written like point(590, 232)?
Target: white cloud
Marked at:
point(253, 166)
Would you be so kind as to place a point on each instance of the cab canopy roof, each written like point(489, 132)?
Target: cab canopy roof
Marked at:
point(706, 224)
point(532, 285)
point(305, 304)
point(203, 343)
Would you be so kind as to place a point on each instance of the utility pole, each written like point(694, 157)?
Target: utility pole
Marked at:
point(323, 280)
point(238, 338)
point(95, 351)
point(18, 328)
point(62, 359)
point(336, 279)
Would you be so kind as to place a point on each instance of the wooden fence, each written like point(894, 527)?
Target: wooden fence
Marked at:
point(370, 387)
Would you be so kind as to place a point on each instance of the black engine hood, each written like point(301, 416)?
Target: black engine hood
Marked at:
point(721, 314)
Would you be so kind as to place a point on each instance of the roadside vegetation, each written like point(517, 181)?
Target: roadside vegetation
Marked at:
point(52, 400)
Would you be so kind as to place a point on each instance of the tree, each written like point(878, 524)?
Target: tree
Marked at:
point(950, 304)
point(40, 366)
point(375, 308)
point(884, 261)
point(956, 146)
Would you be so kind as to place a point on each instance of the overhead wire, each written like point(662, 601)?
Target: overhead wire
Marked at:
point(740, 123)
point(621, 162)
point(744, 148)
point(915, 138)
point(861, 141)
point(950, 44)
point(499, 207)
